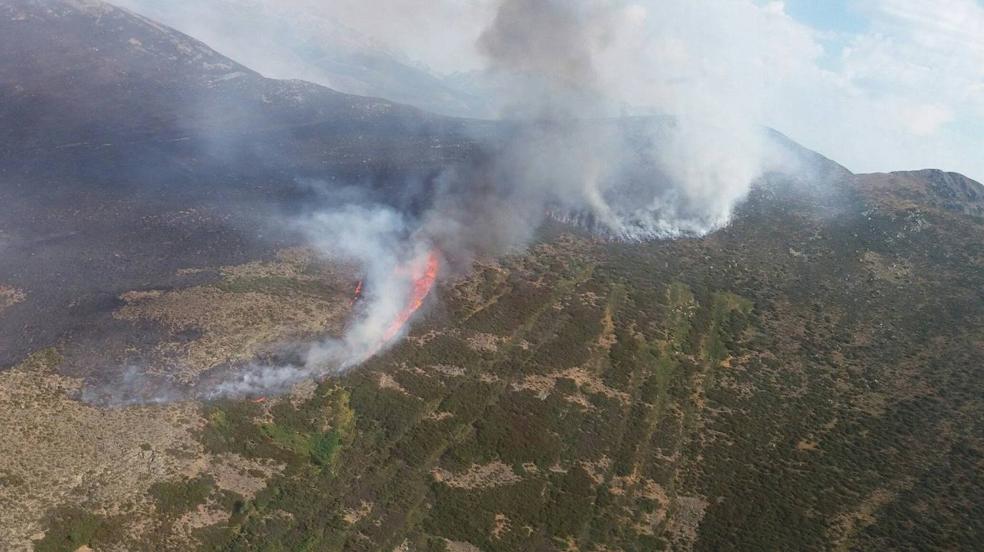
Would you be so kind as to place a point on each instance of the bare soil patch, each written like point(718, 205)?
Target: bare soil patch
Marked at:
point(494, 474)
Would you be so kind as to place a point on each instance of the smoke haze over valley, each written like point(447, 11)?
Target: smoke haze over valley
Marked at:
point(876, 84)
point(563, 152)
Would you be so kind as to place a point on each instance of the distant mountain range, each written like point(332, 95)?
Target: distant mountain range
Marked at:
point(279, 40)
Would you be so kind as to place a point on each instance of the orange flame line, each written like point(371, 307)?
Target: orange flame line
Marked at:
point(423, 282)
point(422, 285)
point(357, 294)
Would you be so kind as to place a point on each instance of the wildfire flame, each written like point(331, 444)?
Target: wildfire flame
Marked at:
point(357, 294)
point(423, 276)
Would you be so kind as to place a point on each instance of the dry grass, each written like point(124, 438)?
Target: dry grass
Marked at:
point(459, 546)
point(688, 512)
point(586, 381)
point(449, 371)
point(891, 270)
point(293, 263)
point(807, 445)
point(10, 296)
point(597, 469)
point(255, 308)
point(355, 515)
point(494, 474)
point(56, 451)
point(849, 523)
point(485, 342)
point(501, 526)
point(59, 451)
point(386, 381)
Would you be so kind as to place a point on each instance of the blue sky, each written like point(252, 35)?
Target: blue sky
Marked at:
point(902, 83)
point(842, 16)
point(944, 39)
point(836, 22)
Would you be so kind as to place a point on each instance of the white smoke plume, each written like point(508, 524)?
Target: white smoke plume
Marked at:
point(390, 253)
point(566, 65)
point(567, 151)
point(634, 179)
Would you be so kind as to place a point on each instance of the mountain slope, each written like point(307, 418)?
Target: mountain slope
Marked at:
point(89, 76)
point(74, 69)
point(281, 40)
point(129, 151)
point(808, 378)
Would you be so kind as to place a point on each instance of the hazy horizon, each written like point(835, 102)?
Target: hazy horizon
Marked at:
point(877, 85)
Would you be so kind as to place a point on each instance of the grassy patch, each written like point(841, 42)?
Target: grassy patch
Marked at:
point(45, 359)
point(277, 285)
point(723, 325)
point(70, 529)
point(177, 497)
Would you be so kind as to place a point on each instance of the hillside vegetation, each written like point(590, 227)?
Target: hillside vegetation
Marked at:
point(807, 379)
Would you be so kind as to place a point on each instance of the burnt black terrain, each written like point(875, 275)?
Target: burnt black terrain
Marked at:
point(129, 150)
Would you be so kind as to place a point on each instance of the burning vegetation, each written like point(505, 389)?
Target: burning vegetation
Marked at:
point(423, 274)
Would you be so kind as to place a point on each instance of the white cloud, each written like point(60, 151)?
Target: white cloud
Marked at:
point(439, 33)
point(913, 86)
point(908, 93)
point(926, 119)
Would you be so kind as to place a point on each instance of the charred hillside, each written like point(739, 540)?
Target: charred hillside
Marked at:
point(129, 151)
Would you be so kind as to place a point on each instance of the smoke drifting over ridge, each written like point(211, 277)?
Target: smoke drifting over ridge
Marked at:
point(629, 179)
point(548, 50)
point(567, 153)
point(634, 179)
